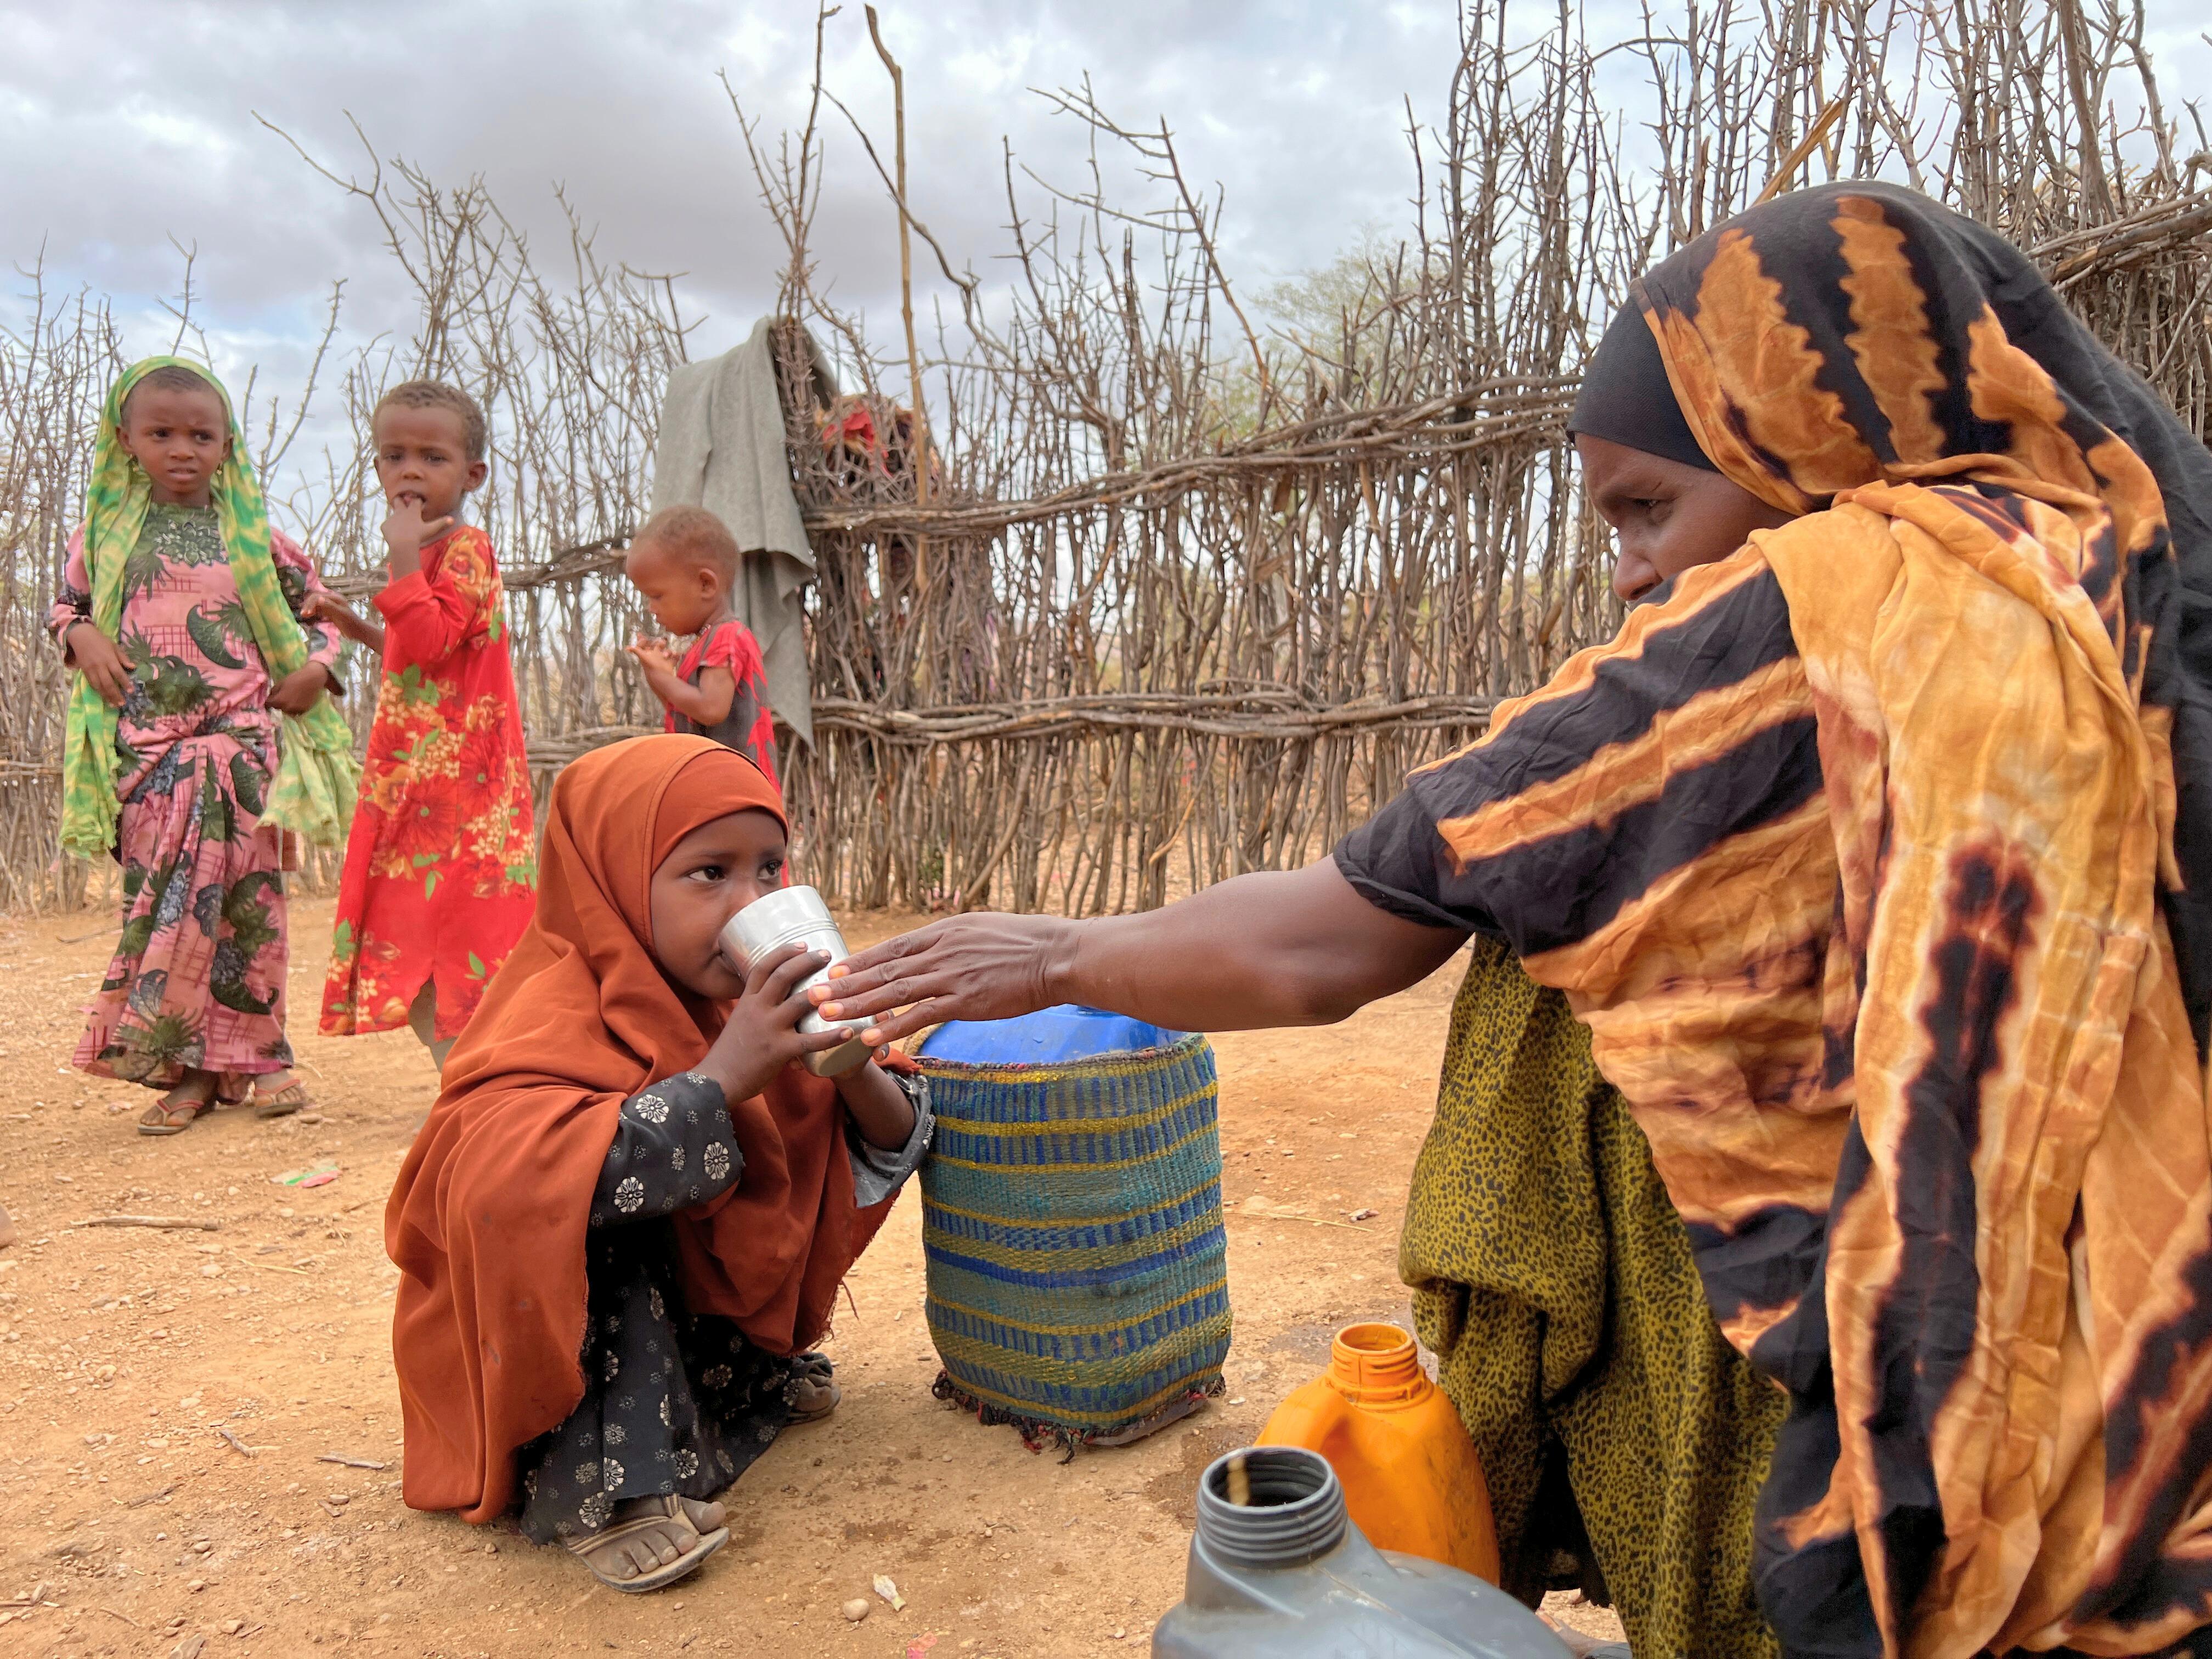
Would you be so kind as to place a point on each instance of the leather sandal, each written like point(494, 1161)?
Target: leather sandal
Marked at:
point(683, 1511)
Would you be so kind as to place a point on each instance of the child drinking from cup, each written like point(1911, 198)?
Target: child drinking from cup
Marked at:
point(685, 564)
point(625, 1223)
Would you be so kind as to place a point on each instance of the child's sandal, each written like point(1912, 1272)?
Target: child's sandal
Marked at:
point(291, 1097)
point(809, 1394)
point(166, 1117)
point(177, 1110)
point(607, 1541)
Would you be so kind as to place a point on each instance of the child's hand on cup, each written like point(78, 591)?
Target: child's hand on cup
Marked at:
point(762, 1035)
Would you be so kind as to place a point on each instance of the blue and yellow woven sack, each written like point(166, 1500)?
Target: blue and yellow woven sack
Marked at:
point(1078, 1269)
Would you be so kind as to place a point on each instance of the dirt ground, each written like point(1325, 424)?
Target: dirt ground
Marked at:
point(172, 1402)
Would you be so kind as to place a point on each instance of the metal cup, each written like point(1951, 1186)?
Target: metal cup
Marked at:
point(797, 915)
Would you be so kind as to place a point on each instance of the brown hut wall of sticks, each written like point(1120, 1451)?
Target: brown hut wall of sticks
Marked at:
point(1194, 577)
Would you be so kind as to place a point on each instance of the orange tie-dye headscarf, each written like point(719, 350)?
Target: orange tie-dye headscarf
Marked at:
point(2000, 1349)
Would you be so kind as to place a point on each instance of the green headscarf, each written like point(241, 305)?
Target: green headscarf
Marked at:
point(316, 775)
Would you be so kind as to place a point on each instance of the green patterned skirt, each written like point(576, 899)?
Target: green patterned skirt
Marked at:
point(1553, 1279)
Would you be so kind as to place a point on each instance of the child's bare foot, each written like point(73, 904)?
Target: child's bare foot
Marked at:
point(175, 1111)
point(652, 1541)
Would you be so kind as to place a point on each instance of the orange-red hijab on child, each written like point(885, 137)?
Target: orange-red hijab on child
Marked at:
point(487, 1221)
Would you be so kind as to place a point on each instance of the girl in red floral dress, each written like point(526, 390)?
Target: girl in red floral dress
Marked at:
point(440, 868)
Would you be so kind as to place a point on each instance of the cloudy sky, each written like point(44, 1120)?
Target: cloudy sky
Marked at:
point(126, 125)
point(130, 124)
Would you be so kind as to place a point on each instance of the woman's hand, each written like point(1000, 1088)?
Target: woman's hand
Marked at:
point(103, 664)
point(762, 1035)
point(296, 692)
point(1292, 947)
point(984, 966)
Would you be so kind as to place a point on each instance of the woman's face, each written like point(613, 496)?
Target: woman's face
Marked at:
point(709, 876)
point(1666, 516)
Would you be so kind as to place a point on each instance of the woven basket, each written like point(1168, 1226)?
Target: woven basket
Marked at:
point(1071, 1221)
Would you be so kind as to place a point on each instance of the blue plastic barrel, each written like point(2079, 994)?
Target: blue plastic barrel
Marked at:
point(1050, 1036)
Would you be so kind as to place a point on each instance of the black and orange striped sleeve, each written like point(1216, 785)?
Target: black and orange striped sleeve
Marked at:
point(1692, 727)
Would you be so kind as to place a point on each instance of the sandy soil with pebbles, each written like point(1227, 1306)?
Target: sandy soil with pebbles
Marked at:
point(171, 1401)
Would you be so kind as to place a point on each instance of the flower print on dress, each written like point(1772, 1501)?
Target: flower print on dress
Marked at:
point(717, 1160)
point(423, 831)
point(650, 1108)
point(441, 863)
point(629, 1197)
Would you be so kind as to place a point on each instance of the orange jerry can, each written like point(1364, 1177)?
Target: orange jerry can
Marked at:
point(1410, 1474)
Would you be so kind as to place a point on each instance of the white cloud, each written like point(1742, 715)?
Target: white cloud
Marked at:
point(127, 124)
point(136, 125)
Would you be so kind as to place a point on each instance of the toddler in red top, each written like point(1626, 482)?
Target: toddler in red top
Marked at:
point(440, 868)
point(684, 562)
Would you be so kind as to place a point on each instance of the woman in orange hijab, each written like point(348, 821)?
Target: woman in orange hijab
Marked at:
point(624, 1222)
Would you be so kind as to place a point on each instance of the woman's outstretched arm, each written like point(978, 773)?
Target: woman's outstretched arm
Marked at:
point(1296, 947)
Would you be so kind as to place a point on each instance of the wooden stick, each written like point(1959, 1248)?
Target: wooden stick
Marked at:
point(350, 1462)
point(1240, 1482)
point(236, 1444)
point(1303, 1220)
point(190, 1223)
point(1813, 140)
point(918, 455)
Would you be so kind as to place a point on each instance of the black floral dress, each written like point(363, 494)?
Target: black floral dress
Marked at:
point(673, 1402)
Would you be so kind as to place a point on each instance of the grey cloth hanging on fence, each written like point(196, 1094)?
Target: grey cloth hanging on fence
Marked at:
point(722, 447)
